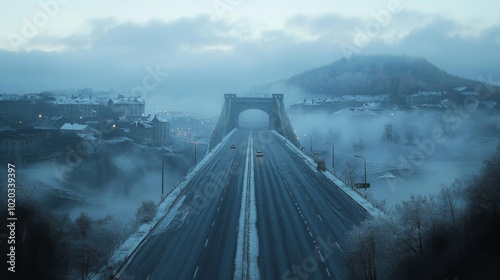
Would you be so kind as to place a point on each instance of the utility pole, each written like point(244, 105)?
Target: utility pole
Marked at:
point(333, 156)
point(364, 159)
point(195, 144)
point(162, 176)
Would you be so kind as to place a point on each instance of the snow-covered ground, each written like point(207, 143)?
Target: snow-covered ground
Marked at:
point(418, 164)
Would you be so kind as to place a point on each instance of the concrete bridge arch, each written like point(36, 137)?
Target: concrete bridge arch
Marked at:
point(234, 106)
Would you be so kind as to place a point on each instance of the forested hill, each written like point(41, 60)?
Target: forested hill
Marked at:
point(377, 74)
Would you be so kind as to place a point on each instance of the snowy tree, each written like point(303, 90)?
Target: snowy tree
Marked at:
point(370, 249)
point(146, 212)
point(389, 135)
point(349, 173)
point(483, 195)
point(417, 217)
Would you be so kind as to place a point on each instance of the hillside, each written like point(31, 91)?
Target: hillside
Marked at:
point(373, 75)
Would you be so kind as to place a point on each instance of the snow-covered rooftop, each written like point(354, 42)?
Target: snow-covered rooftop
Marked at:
point(141, 123)
point(121, 99)
point(75, 100)
point(355, 112)
point(10, 97)
point(427, 93)
point(73, 126)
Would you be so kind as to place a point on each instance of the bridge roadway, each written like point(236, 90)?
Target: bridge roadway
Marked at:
point(302, 219)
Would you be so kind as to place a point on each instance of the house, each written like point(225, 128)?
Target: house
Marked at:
point(150, 130)
point(77, 107)
point(131, 107)
point(141, 132)
point(90, 137)
point(19, 148)
point(425, 97)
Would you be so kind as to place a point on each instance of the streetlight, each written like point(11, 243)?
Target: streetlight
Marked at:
point(333, 156)
point(162, 176)
point(364, 185)
point(310, 142)
point(195, 144)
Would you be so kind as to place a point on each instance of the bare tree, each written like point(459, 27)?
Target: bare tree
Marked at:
point(449, 198)
point(349, 173)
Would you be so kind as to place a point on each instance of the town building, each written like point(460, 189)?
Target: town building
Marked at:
point(130, 107)
point(90, 137)
point(150, 130)
point(19, 148)
point(425, 98)
point(77, 107)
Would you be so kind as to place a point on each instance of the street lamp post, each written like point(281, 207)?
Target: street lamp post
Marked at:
point(311, 143)
point(364, 159)
point(333, 156)
point(195, 144)
point(162, 176)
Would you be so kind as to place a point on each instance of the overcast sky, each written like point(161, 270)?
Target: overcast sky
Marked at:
point(180, 52)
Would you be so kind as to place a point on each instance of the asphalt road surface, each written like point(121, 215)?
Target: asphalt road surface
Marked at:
point(302, 218)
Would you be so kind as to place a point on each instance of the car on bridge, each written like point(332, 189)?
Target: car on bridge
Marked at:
point(233, 146)
point(259, 154)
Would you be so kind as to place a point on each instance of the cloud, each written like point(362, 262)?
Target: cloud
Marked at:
point(206, 57)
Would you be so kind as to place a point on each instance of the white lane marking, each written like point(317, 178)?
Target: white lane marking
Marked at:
point(320, 218)
point(322, 259)
point(218, 209)
point(148, 277)
point(310, 234)
point(222, 198)
point(195, 272)
point(206, 242)
point(307, 198)
point(338, 246)
point(327, 272)
point(213, 223)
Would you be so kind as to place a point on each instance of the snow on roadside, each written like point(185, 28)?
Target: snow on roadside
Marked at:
point(122, 255)
point(372, 210)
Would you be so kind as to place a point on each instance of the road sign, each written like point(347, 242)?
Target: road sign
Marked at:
point(362, 185)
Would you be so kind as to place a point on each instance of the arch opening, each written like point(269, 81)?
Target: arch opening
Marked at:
point(253, 118)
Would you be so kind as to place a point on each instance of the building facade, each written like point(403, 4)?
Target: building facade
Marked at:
point(150, 130)
point(131, 107)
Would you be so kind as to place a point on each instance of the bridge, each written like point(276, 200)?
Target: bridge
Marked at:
point(238, 216)
point(234, 106)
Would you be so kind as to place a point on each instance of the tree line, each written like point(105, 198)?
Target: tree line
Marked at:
point(452, 235)
point(56, 246)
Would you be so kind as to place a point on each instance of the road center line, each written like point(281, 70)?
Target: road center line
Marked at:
point(338, 246)
point(195, 272)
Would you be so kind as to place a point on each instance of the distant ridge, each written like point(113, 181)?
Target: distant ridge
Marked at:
point(373, 75)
